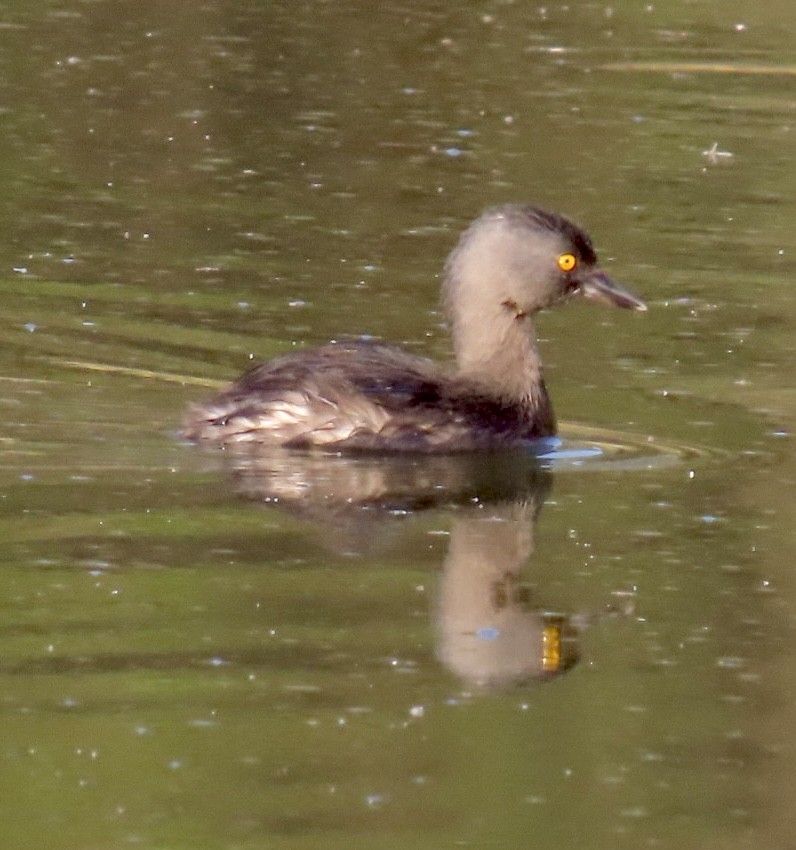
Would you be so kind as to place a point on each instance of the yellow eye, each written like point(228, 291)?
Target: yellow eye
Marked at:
point(567, 262)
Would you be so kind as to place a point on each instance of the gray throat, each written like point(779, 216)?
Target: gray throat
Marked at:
point(501, 358)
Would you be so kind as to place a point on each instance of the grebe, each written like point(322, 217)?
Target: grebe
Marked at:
point(509, 264)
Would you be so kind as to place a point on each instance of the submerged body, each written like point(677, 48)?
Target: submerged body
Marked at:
point(510, 263)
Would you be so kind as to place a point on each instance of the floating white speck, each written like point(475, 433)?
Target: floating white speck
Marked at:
point(714, 156)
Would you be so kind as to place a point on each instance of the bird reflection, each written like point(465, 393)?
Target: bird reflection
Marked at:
point(488, 630)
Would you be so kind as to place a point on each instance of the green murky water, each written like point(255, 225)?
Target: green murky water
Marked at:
point(199, 650)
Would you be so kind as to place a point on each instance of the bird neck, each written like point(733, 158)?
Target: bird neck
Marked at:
point(500, 355)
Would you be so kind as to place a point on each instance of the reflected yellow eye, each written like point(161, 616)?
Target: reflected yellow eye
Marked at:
point(567, 262)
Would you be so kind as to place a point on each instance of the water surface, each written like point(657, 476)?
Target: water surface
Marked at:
point(199, 650)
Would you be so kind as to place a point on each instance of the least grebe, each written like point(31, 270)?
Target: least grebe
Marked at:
point(509, 264)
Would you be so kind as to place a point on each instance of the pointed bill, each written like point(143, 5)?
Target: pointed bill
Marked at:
point(599, 287)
